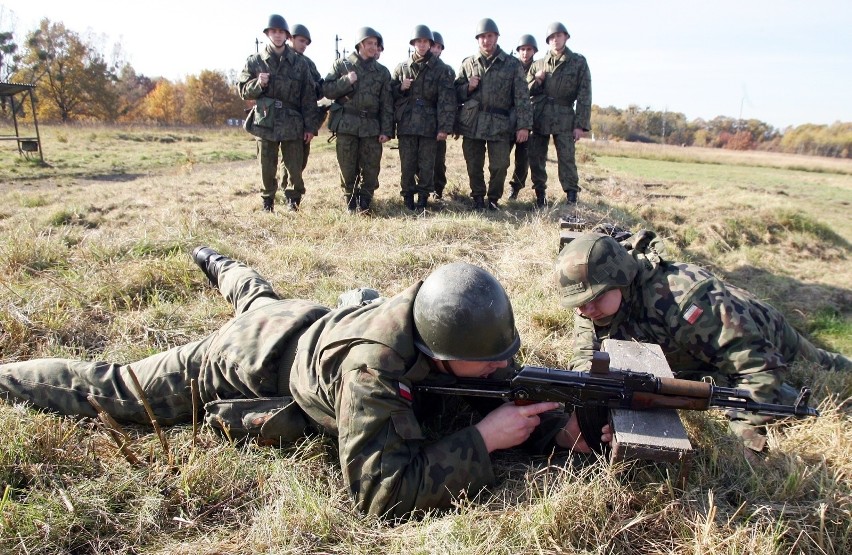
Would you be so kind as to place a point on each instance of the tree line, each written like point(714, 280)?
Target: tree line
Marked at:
point(76, 82)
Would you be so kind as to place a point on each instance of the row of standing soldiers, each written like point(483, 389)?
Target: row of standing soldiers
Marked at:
point(496, 103)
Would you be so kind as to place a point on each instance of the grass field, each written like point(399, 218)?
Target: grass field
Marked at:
point(94, 264)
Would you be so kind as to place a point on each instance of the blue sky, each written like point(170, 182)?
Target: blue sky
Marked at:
point(784, 62)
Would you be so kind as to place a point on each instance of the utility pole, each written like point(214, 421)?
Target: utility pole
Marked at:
point(337, 40)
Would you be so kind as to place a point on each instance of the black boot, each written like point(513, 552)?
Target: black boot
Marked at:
point(422, 201)
point(540, 199)
point(293, 204)
point(479, 203)
point(269, 205)
point(408, 200)
point(492, 205)
point(210, 263)
point(513, 192)
point(351, 202)
point(364, 204)
point(572, 197)
point(439, 193)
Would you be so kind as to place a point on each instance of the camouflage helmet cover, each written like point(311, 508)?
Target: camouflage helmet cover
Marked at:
point(461, 312)
point(438, 38)
point(486, 25)
point(591, 265)
point(527, 40)
point(276, 22)
point(300, 30)
point(422, 32)
point(556, 27)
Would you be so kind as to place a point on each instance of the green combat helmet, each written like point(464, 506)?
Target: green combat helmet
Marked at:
point(300, 30)
point(422, 32)
point(554, 28)
point(365, 33)
point(276, 22)
point(527, 40)
point(591, 265)
point(438, 38)
point(461, 312)
point(486, 25)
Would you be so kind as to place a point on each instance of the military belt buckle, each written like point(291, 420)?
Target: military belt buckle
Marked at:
point(363, 113)
point(279, 104)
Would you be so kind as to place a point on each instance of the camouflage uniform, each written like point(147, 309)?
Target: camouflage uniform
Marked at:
point(522, 159)
point(704, 326)
point(285, 110)
point(421, 112)
point(440, 177)
point(490, 117)
point(317, 78)
point(568, 82)
point(351, 370)
point(360, 113)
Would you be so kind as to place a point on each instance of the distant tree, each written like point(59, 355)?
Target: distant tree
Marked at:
point(164, 103)
point(209, 99)
point(741, 140)
point(131, 91)
point(8, 47)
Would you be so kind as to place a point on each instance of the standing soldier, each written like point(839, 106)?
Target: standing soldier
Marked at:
point(361, 117)
point(285, 114)
point(300, 38)
point(440, 178)
point(556, 82)
point(527, 48)
point(495, 111)
point(424, 112)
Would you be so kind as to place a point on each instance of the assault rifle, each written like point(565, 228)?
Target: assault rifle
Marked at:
point(604, 388)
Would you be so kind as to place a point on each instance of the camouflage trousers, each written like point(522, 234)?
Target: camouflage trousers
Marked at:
point(242, 370)
point(359, 159)
point(285, 175)
point(292, 161)
point(440, 177)
point(417, 164)
point(568, 176)
point(498, 166)
point(522, 165)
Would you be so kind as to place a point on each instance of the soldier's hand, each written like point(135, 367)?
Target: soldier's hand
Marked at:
point(540, 76)
point(578, 134)
point(571, 437)
point(472, 83)
point(383, 139)
point(509, 425)
point(352, 77)
point(308, 137)
point(263, 79)
point(405, 85)
point(522, 135)
point(441, 136)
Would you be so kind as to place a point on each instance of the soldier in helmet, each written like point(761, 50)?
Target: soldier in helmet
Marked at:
point(558, 82)
point(281, 368)
point(526, 49)
point(424, 112)
point(284, 117)
point(495, 112)
point(706, 327)
point(440, 178)
point(361, 117)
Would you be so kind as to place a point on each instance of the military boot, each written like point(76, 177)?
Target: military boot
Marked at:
point(408, 200)
point(439, 193)
point(293, 204)
point(540, 199)
point(479, 203)
point(364, 204)
point(210, 263)
point(513, 192)
point(422, 201)
point(269, 205)
point(492, 205)
point(572, 197)
point(351, 202)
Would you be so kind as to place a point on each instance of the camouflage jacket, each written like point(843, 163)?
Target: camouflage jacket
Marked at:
point(354, 376)
point(568, 82)
point(500, 105)
point(287, 107)
point(429, 105)
point(704, 326)
point(364, 109)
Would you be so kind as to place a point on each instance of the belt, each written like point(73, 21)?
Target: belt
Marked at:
point(560, 101)
point(424, 103)
point(498, 111)
point(361, 113)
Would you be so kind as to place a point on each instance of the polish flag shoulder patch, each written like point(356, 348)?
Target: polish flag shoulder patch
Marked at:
point(405, 392)
point(692, 314)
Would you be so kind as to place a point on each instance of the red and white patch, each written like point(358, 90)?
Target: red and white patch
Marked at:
point(692, 314)
point(405, 392)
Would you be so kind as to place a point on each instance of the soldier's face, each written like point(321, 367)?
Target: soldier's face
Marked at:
point(299, 44)
point(487, 42)
point(422, 46)
point(603, 307)
point(277, 37)
point(437, 50)
point(557, 41)
point(474, 368)
point(369, 48)
point(526, 53)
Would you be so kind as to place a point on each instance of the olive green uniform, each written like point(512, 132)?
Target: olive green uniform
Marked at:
point(360, 113)
point(568, 83)
point(306, 148)
point(352, 372)
point(705, 328)
point(286, 108)
point(440, 177)
point(490, 116)
point(521, 166)
point(420, 113)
